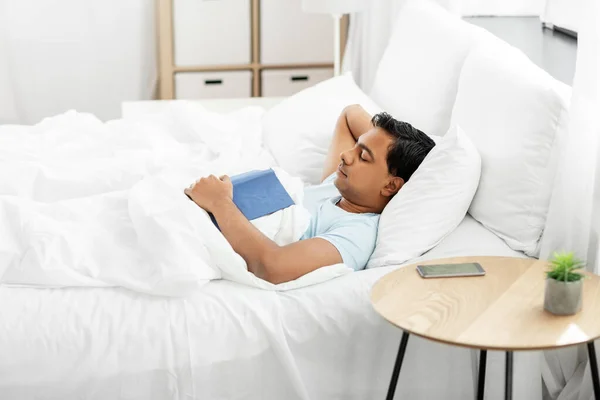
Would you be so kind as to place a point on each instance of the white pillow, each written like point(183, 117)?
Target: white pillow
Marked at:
point(431, 204)
point(298, 130)
point(417, 77)
point(511, 110)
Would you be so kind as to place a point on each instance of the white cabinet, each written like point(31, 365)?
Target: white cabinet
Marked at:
point(211, 32)
point(291, 36)
point(203, 85)
point(286, 82)
point(241, 48)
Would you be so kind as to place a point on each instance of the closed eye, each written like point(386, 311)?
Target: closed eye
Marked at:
point(366, 150)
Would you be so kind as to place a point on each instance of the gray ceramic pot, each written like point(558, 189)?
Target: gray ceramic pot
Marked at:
point(563, 298)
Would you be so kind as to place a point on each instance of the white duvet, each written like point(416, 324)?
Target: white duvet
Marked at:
point(86, 203)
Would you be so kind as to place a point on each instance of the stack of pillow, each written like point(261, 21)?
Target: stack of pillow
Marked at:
point(440, 71)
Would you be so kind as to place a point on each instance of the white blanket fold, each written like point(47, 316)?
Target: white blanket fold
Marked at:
point(83, 203)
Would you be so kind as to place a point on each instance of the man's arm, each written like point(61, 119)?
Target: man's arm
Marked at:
point(265, 258)
point(351, 124)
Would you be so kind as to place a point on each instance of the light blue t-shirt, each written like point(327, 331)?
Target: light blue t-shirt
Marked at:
point(353, 235)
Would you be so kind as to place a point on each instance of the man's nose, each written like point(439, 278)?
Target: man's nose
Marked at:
point(346, 158)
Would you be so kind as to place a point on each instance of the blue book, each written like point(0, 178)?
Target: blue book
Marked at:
point(258, 193)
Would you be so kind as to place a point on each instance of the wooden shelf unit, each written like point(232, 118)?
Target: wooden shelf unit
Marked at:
point(168, 69)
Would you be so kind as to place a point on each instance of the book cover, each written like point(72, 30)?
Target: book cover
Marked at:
point(258, 193)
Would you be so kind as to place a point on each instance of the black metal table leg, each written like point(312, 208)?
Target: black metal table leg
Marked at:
point(594, 369)
point(508, 376)
point(481, 374)
point(397, 366)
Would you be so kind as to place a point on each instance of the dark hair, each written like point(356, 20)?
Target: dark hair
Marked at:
point(409, 147)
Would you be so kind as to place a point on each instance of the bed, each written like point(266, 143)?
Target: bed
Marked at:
point(229, 341)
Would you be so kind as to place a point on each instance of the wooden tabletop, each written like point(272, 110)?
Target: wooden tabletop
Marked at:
point(502, 310)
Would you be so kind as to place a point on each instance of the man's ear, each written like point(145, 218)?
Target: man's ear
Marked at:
point(393, 186)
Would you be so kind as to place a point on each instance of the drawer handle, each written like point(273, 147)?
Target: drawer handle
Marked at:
point(213, 82)
point(299, 78)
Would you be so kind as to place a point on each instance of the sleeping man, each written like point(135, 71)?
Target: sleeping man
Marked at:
point(369, 160)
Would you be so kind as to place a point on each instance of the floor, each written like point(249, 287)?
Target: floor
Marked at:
point(552, 50)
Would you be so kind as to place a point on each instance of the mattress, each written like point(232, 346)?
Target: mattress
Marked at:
point(228, 341)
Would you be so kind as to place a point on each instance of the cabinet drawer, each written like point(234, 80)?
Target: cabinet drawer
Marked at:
point(291, 36)
point(211, 32)
point(215, 85)
point(277, 83)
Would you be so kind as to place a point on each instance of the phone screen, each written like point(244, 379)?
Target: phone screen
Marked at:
point(451, 269)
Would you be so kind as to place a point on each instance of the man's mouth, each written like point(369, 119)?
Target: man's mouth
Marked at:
point(342, 171)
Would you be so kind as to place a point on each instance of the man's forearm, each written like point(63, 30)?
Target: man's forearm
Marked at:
point(265, 258)
point(246, 240)
point(351, 124)
point(358, 120)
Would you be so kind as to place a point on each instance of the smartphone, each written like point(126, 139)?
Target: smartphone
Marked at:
point(450, 270)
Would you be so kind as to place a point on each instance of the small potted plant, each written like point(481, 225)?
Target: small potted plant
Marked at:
point(564, 285)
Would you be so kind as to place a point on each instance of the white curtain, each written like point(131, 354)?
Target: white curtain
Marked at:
point(574, 217)
point(368, 34)
point(370, 30)
point(570, 218)
point(88, 55)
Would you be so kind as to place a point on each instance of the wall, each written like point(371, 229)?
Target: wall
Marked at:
point(502, 7)
point(562, 13)
point(88, 55)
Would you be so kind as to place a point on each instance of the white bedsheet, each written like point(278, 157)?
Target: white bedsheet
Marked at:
point(230, 341)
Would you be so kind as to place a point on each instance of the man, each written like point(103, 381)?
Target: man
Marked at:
point(369, 161)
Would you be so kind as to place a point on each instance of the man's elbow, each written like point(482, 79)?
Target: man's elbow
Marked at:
point(281, 269)
point(267, 274)
point(268, 267)
point(274, 278)
point(273, 272)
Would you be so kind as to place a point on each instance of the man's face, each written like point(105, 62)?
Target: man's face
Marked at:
point(362, 176)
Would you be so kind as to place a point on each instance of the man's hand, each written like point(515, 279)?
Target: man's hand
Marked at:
point(210, 192)
point(264, 257)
